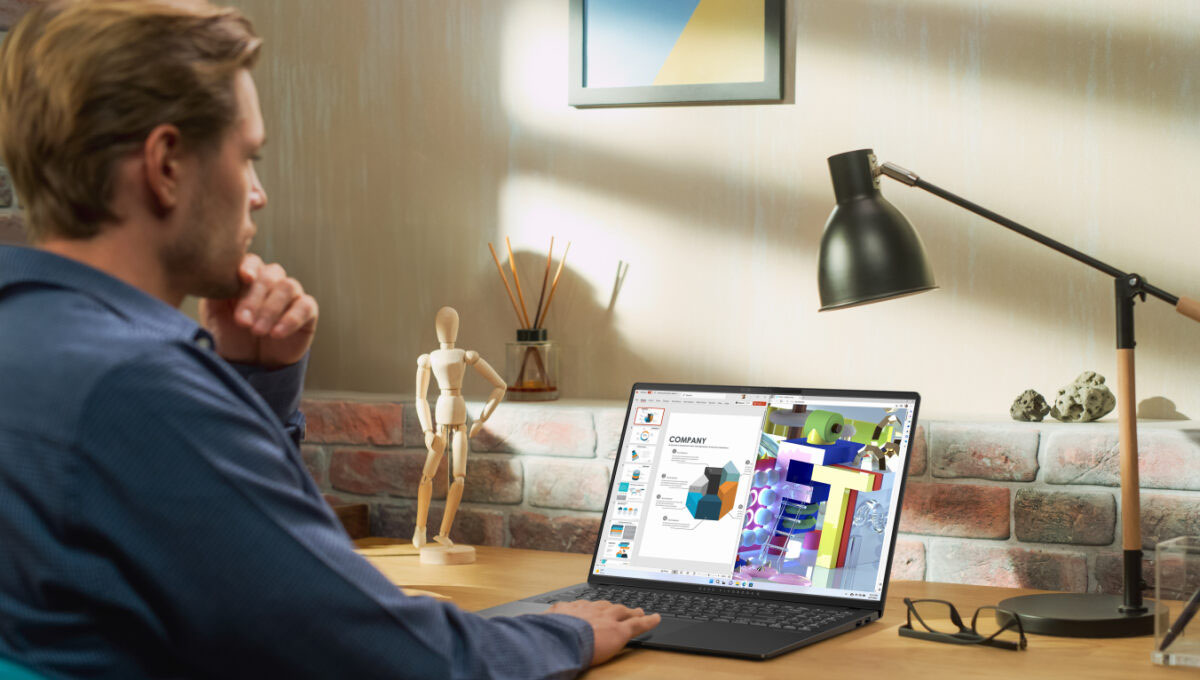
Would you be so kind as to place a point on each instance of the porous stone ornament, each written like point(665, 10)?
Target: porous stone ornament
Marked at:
point(1084, 400)
point(1030, 406)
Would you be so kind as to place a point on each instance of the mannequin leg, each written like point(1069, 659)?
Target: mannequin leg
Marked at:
point(458, 449)
point(425, 489)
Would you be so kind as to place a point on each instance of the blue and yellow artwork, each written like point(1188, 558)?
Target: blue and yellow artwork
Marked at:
point(633, 43)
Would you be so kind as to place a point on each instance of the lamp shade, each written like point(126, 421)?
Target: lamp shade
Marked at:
point(869, 251)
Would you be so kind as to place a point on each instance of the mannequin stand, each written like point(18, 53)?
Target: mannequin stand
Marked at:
point(447, 554)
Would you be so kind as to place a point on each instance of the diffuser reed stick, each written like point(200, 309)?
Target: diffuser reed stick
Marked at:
point(545, 279)
point(504, 279)
point(554, 286)
point(512, 265)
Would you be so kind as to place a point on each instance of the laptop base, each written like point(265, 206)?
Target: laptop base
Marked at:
point(699, 637)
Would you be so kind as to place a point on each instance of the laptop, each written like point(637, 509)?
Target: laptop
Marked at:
point(755, 520)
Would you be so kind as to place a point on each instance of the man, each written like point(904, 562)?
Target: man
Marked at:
point(155, 518)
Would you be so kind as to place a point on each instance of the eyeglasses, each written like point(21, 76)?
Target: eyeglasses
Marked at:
point(999, 627)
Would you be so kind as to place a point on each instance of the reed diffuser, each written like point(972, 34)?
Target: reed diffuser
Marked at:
point(531, 362)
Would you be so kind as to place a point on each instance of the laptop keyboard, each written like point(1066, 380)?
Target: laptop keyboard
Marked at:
point(784, 615)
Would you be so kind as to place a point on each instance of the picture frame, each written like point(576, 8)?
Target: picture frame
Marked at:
point(632, 52)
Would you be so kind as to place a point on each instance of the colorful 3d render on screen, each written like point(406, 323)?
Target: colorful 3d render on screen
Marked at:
point(818, 506)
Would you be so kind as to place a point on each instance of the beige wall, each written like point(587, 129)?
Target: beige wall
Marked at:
point(406, 134)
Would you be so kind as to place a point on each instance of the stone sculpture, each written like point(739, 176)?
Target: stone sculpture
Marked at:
point(1030, 406)
point(1084, 400)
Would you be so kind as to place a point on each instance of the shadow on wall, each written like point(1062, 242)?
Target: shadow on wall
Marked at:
point(1024, 44)
point(1159, 408)
point(582, 320)
point(1017, 48)
point(740, 206)
point(366, 345)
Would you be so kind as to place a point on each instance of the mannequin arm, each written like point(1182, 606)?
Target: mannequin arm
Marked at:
point(498, 385)
point(423, 373)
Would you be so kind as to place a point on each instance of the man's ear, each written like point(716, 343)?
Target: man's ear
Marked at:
point(162, 154)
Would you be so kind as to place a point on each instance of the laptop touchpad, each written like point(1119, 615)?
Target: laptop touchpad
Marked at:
point(666, 627)
point(718, 638)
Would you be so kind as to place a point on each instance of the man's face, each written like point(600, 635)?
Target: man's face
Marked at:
point(217, 228)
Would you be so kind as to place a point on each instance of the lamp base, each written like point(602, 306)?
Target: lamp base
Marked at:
point(1082, 615)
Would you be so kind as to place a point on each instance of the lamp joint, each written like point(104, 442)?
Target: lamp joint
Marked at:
point(1128, 288)
point(1132, 286)
point(902, 175)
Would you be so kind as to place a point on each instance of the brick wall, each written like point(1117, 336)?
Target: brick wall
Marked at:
point(1038, 504)
point(11, 230)
point(536, 476)
point(1014, 504)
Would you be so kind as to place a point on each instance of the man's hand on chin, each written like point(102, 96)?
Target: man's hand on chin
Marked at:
point(270, 323)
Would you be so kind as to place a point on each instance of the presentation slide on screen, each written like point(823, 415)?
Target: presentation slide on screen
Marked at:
point(700, 487)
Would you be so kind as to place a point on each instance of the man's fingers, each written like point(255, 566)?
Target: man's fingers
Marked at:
point(252, 299)
point(277, 300)
point(640, 624)
point(616, 612)
point(623, 613)
point(601, 609)
point(302, 312)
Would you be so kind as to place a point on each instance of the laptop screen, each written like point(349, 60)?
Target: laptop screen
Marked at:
point(793, 492)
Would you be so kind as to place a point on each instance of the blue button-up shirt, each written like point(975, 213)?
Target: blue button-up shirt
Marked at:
point(156, 520)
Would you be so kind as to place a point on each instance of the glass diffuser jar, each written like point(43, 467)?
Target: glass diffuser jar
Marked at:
point(531, 366)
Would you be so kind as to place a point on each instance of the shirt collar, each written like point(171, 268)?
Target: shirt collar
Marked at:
point(23, 265)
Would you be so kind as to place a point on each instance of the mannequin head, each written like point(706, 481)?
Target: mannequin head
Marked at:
point(447, 326)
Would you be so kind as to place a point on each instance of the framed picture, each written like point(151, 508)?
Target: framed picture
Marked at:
point(675, 51)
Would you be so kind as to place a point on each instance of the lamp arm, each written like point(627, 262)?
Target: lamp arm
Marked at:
point(1186, 306)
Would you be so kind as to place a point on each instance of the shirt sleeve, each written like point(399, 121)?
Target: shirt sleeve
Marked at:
point(239, 568)
point(281, 389)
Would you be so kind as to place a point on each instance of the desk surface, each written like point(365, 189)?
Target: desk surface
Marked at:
point(503, 574)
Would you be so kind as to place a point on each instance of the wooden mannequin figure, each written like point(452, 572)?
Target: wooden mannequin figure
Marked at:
point(448, 365)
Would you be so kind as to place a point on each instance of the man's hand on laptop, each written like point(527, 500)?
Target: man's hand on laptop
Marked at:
point(613, 625)
point(272, 321)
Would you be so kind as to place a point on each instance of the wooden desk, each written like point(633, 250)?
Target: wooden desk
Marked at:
point(874, 651)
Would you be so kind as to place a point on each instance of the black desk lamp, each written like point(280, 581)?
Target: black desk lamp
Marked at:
point(870, 252)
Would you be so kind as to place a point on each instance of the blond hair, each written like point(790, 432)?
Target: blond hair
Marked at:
point(84, 82)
